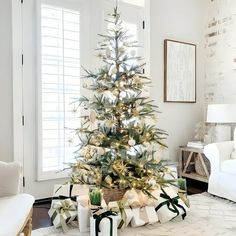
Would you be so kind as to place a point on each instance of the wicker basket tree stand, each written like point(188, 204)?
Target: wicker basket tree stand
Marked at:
point(113, 194)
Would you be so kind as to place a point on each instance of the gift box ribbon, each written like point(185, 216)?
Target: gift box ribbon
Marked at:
point(64, 207)
point(98, 219)
point(171, 203)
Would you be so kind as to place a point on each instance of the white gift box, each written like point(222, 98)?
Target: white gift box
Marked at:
point(151, 214)
point(164, 214)
point(129, 215)
point(113, 206)
point(139, 217)
point(132, 198)
point(60, 218)
point(104, 226)
point(64, 190)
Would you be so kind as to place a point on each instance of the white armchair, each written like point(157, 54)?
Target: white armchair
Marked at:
point(223, 169)
point(15, 208)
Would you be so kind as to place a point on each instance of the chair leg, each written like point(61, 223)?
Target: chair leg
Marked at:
point(28, 227)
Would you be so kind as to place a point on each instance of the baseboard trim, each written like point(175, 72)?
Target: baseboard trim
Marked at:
point(43, 201)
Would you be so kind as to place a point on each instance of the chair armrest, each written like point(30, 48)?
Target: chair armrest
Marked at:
point(218, 152)
point(10, 174)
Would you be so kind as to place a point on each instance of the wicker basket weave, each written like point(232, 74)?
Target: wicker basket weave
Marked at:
point(198, 165)
point(113, 194)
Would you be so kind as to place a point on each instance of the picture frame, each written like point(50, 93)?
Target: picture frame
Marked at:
point(179, 71)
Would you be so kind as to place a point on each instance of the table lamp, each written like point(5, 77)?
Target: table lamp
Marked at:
point(221, 115)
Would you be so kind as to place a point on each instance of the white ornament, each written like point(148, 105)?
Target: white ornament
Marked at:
point(131, 142)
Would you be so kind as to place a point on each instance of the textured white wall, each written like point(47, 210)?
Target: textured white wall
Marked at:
point(220, 44)
point(6, 125)
point(181, 20)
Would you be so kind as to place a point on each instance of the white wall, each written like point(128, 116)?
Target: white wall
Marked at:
point(6, 124)
point(181, 20)
point(220, 83)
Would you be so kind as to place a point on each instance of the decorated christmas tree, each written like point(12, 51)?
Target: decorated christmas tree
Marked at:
point(118, 137)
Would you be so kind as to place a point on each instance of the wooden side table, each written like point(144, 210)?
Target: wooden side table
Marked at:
point(187, 163)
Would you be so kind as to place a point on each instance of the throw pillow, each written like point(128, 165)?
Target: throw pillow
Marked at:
point(9, 178)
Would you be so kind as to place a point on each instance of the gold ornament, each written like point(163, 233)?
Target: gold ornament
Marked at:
point(119, 166)
point(108, 180)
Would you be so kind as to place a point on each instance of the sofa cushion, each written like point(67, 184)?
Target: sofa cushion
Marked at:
point(9, 178)
point(229, 166)
point(13, 213)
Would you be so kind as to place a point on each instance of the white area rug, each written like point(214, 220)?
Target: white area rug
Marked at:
point(208, 216)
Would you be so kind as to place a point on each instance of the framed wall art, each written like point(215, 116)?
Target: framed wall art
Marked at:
point(179, 71)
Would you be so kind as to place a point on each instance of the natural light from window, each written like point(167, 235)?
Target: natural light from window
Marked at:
point(60, 83)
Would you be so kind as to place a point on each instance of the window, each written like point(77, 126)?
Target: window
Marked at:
point(59, 83)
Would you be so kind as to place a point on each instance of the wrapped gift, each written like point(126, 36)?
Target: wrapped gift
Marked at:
point(169, 204)
point(151, 214)
point(104, 224)
point(132, 198)
point(140, 217)
point(126, 213)
point(62, 213)
point(142, 208)
point(72, 191)
point(114, 207)
point(84, 213)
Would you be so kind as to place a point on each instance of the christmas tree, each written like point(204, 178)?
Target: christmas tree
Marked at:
point(118, 142)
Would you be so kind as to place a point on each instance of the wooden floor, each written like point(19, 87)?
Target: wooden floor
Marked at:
point(41, 218)
point(40, 215)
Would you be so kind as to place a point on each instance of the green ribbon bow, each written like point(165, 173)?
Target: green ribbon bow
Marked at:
point(62, 197)
point(172, 204)
point(98, 219)
point(64, 207)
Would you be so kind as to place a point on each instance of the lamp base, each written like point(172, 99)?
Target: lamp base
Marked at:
point(223, 133)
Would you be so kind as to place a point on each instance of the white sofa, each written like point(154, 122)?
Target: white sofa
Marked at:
point(15, 208)
point(222, 180)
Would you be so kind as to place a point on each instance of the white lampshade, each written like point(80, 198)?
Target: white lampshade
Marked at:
point(221, 113)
